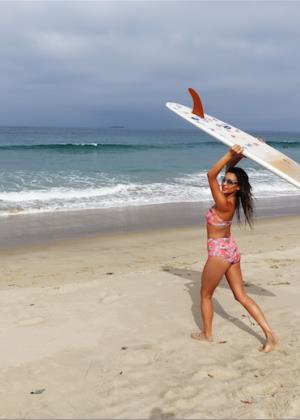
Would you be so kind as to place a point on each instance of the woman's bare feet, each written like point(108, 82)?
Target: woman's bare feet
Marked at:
point(270, 344)
point(201, 336)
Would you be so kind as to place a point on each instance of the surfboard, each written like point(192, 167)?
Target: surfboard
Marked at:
point(254, 148)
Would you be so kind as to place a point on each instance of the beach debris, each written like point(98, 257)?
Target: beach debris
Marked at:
point(210, 375)
point(222, 342)
point(246, 402)
point(37, 391)
point(124, 348)
point(109, 273)
point(31, 304)
point(121, 372)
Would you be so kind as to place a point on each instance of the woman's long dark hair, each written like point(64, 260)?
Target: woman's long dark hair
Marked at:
point(244, 195)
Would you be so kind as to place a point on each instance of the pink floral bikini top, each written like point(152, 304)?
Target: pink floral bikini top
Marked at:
point(214, 220)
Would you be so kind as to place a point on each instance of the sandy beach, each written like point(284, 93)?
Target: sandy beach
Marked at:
point(99, 327)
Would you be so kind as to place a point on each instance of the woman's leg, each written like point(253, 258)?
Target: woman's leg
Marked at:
point(213, 271)
point(235, 281)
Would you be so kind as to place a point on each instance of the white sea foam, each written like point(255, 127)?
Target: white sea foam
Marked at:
point(107, 192)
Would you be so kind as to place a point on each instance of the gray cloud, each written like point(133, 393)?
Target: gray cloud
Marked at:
point(103, 63)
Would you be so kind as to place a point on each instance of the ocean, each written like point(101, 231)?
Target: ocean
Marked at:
point(63, 169)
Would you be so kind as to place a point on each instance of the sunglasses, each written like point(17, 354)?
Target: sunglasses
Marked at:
point(228, 181)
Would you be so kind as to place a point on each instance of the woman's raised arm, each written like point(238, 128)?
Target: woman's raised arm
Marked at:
point(235, 153)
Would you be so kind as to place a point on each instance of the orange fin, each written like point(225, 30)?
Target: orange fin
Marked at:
point(198, 108)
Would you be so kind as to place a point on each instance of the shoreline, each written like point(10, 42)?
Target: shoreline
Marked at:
point(48, 228)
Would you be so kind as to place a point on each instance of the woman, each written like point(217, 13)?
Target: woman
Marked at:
point(223, 254)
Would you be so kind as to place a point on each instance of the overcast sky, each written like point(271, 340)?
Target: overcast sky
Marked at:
point(102, 63)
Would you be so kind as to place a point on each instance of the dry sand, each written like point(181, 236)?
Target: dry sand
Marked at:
point(100, 328)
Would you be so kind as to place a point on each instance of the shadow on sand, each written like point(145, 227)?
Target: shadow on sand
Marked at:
point(193, 286)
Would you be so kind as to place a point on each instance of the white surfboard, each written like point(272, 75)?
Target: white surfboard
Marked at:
point(254, 148)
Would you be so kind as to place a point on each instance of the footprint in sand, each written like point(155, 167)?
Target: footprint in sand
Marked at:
point(280, 283)
point(145, 346)
point(109, 299)
point(30, 321)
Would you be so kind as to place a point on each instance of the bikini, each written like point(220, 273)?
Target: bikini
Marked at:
point(221, 247)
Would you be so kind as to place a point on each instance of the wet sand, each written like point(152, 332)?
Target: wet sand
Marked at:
point(45, 228)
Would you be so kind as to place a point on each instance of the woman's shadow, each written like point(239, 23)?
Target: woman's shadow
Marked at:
point(193, 288)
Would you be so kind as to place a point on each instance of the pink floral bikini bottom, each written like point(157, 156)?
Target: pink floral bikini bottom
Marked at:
point(224, 247)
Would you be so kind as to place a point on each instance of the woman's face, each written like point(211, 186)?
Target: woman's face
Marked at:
point(229, 183)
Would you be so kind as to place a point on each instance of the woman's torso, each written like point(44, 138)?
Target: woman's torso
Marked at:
point(218, 223)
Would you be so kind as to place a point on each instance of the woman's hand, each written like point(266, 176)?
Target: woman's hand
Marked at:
point(236, 151)
point(231, 158)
